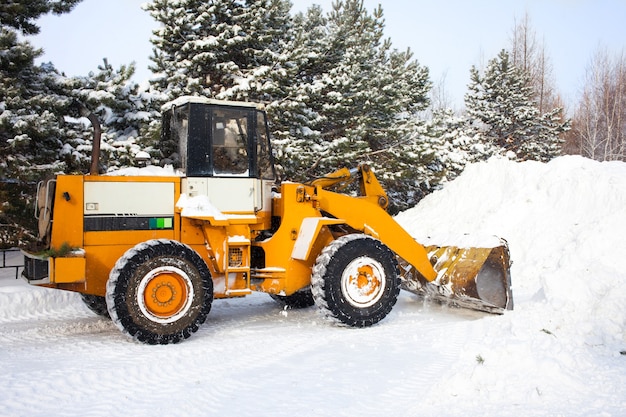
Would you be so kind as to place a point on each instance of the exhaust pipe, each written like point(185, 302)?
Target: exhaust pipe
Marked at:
point(97, 133)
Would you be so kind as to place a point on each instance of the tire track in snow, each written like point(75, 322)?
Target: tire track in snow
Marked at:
point(416, 373)
point(434, 339)
point(321, 372)
point(141, 373)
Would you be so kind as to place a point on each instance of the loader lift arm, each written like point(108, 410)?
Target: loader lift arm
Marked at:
point(471, 277)
point(368, 214)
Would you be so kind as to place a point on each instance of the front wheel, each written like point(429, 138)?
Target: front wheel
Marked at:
point(159, 292)
point(355, 280)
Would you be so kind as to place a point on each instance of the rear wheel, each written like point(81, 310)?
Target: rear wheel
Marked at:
point(97, 304)
point(159, 292)
point(300, 299)
point(355, 280)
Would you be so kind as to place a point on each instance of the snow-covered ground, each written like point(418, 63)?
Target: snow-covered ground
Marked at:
point(561, 352)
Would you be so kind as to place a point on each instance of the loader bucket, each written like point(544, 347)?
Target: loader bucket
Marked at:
point(469, 277)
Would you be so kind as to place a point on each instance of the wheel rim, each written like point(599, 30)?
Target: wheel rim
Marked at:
point(165, 294)
point(363, 282)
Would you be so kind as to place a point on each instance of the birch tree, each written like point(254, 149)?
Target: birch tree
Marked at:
point(529, 54)
point(599, 129)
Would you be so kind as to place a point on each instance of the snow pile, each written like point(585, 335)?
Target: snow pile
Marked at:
point(565, 225)
point(16, 300)
point(564, 222)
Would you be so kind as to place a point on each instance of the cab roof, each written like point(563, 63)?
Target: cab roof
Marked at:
point(181, 101)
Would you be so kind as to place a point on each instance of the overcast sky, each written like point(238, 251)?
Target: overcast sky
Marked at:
point(447, 36)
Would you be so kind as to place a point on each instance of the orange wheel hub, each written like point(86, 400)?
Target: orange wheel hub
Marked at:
point(165, 294)
point(367, 282)
point(363, 282)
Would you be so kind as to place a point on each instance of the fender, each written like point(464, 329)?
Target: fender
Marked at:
point(309, 230)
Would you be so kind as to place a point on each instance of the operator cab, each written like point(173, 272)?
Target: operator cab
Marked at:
point(223, 149)
point(212, 138)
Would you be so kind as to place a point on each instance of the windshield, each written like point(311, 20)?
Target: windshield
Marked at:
point(217, 140)
point(230, 133)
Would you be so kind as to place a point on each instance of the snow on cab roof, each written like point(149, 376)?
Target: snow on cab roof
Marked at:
point(204, 100)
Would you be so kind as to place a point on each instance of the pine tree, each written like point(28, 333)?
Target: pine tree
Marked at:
point(32, 98)
point(292, 115)
point(224, 49)
point(356, 100)
point(404, 158)
point(124, 110)
point(455, 143)
point(41, 132)
point(20, 15)
point(499, 104)
point(31, 102)
point(346, 99)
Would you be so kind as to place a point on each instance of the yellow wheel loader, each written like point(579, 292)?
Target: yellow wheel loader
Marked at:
point(154, 249)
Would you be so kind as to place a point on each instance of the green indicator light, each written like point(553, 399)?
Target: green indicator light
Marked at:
point(160, 223)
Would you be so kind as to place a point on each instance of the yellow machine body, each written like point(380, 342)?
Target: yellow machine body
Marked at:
point(226, 241)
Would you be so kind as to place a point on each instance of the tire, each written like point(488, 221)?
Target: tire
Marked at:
point(97, 304)
point(355, 280)
point(299, 299)
point(159, 292)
